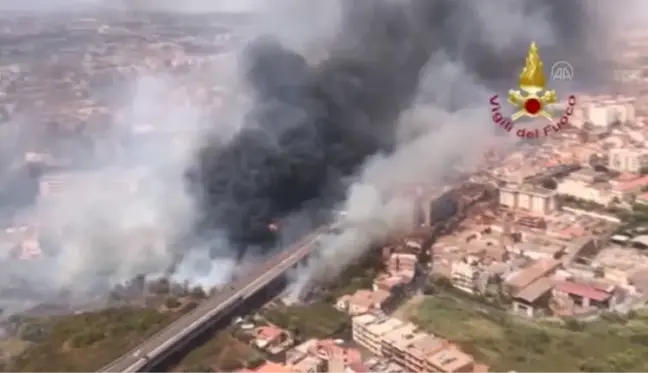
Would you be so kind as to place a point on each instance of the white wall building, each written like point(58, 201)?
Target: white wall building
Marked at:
point(628, 160)
point(586, 192)
point(602, 115)
point(527, 197)
point(586, 185)
point(465, 272)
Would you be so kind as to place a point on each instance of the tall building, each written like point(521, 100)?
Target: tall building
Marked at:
point(528, 197)
point(628, 160)
point(604, 114)
point(600, 116)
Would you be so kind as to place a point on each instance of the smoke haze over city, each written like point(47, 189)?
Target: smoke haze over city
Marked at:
point(338, 103)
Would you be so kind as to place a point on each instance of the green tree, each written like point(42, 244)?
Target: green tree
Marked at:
point(574, 325)
point(86, 338)
point(441, 282)
point(33, 332)
point(172, 303)
point(255, 362)
point(190, 306)
point(199, 368)
point(231, 365)
point(198, 293)
point(162, 286)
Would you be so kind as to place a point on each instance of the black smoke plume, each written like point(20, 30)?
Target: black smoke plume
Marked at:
point(313, 125)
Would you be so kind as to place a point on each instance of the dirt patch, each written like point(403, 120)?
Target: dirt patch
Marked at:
point(12, 347)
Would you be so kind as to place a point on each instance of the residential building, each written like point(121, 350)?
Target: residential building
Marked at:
point(323, 356)
point(368, 331)
point(600, 116)
point(336, 362)
point(628, 160)
point(363, 301)
point(303, 361)
point(465, 273)
point(272, 339)
point(628, 186)
point(533, 299)
point(394, 283)
point(410, 348)
point(573, 298)
point(400, 271)
point(530, 284)
point(528, 198)
point(622, 112)
point(587, 185)
point(384, 365)
point(452, 359)
point(309, 364)
point(402, 262)
point(270, 367)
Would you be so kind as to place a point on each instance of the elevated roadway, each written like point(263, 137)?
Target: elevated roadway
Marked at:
point(161, 345)
point(172, 338)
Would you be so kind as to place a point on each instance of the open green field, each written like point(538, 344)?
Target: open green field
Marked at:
point(317, 320)
point(509, 343)
point(222, 352)
point(86, 342)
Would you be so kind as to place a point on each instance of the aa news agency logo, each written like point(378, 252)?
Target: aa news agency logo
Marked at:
point(533, 100)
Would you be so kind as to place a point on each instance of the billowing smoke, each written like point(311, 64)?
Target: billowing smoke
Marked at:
point(382, 93)
point(123, 214)
point(314, 125)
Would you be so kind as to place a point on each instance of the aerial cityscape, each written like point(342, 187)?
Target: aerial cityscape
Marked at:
point(220, 191)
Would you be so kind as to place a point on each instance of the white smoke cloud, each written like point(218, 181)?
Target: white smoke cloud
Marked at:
point(131, 216)
point(100, 226)
point(433, 136)
point(110, 223)
point(121, 220)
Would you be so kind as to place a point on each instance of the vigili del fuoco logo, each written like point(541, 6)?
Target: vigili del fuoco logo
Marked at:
point(532, 100)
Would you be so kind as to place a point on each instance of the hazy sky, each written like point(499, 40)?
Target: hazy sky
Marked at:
point(183, 5)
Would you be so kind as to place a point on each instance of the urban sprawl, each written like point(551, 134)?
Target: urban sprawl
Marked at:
point(551, 232)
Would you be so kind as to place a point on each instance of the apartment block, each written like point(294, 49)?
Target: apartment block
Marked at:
point(368, 331)
point(408, 346)
point(528, 197)
point(628, 160)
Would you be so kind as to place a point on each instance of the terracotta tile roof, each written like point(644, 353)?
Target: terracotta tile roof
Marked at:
point(326, 349)
point(268, 333)
point(583, 290)
point(270, 367)
point(628, 185)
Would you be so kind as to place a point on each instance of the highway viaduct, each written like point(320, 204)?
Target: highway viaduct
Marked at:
point(174, 337)
point(177, 335)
